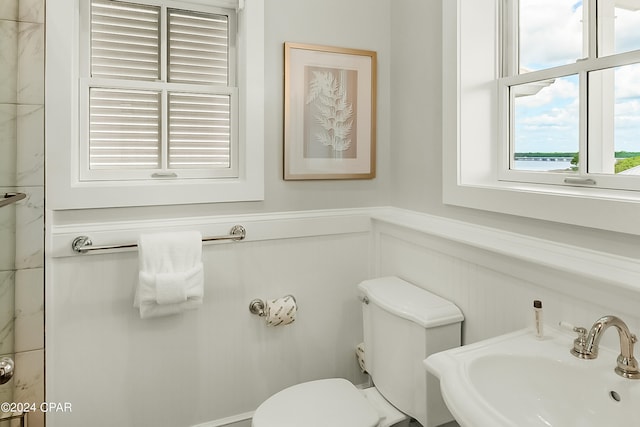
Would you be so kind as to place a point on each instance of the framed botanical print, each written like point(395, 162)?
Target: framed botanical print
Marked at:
point(329, 112)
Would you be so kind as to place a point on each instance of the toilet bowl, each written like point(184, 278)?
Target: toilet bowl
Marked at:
point(388, 415)
point(333, 402)
point(403, 324)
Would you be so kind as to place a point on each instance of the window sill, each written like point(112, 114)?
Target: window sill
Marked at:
point(163, 192)
point(588, 207)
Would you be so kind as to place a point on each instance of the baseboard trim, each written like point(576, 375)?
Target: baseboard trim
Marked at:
point(228, 421)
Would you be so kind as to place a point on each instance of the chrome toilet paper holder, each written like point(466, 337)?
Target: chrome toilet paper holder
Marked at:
point(257, 306)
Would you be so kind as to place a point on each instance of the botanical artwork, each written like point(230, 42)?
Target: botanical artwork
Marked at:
point(330, 113)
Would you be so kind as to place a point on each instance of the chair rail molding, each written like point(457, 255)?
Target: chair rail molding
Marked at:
point(611, 269)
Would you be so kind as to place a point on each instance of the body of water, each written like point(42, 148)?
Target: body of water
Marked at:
point(541, 165)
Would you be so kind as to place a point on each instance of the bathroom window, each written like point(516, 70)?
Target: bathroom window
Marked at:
point(540, 109)
point(154, 102)
point(569, 96)
point(158, 95)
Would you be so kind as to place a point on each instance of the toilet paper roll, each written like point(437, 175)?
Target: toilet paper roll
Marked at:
point(360, 357)
point(281, 311)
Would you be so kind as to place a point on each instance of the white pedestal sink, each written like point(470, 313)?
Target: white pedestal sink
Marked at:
point(518, 380)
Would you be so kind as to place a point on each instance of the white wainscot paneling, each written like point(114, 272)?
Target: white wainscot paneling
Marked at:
point(494, 287)
point(212, 367)
point(215, 362)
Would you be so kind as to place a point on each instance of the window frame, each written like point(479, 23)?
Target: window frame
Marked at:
point(588, 124)
point(470, 132)
point(62, 128)
point(163, 86)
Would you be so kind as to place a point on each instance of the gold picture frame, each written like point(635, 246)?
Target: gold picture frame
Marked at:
point(329, 112)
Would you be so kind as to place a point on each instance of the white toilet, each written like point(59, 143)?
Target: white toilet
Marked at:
point(403, 324)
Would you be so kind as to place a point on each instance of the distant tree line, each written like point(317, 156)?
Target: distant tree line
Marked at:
point(626, 159)
point(619, 154)
point(550, 155)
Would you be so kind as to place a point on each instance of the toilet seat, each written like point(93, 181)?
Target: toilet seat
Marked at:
point(331, 402)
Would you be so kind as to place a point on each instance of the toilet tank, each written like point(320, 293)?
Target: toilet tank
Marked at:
point(403, 324)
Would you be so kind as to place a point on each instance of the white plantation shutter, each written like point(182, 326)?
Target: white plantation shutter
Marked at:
point(198, 48)
point(125, 40)
point(124, 129)
point(159, 92)
point(199, 128)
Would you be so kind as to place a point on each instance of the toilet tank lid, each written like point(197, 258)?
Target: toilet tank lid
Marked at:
point(410, 302)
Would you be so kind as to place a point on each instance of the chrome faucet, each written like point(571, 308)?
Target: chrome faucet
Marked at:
point(586, 346)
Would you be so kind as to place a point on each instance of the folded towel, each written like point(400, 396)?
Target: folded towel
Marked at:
point(171, 277)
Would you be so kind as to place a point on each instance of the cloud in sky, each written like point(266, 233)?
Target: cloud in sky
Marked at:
point(561, 89)
point(627, 81)
point(548, 120)
point(627, 36)
point(550, 33)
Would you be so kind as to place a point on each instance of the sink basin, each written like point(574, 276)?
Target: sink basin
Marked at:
point(518, 380)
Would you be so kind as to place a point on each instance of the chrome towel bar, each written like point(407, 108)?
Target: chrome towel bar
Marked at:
point(10, 198)
point(83, 244)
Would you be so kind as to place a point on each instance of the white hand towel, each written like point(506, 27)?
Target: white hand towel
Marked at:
point(171, 277)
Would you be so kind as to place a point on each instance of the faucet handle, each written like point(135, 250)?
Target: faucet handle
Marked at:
point(568, 326)
point(579, 344)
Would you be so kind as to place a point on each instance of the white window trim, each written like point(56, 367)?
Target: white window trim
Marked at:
point(163, 87)
point(471, 128)
point(601, 155)
point(64, 188)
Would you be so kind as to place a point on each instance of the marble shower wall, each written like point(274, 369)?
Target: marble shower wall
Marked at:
point(22, 224)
